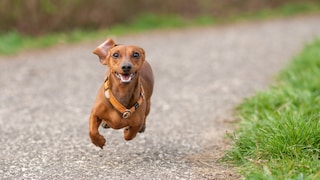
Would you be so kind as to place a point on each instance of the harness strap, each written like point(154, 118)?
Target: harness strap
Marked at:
point(116, 104)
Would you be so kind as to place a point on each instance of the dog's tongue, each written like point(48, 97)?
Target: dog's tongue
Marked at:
point(125, 77)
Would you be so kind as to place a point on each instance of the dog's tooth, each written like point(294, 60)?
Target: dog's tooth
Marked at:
point(123, 79)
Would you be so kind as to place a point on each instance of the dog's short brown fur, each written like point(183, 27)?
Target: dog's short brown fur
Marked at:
point(127, 70)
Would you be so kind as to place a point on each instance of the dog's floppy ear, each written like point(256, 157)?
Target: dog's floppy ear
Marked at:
point(143, 53)
point(102, 50)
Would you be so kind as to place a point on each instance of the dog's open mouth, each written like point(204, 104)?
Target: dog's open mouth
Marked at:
point(125, 78)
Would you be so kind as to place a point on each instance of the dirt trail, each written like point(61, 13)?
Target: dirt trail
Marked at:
point(201, 75)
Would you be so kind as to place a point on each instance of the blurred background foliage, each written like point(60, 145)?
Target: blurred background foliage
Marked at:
point(36, 17)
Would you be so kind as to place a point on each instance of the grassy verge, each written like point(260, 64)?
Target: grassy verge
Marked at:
point(279, 136)
point(14, 42)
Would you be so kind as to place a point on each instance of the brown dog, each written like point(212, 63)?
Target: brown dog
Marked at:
point(123, 101)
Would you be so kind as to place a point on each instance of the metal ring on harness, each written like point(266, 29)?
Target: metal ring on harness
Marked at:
point(126, 114)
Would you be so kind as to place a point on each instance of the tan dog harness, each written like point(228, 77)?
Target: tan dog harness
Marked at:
point(116, 104)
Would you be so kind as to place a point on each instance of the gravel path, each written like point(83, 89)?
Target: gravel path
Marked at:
point(201, 74)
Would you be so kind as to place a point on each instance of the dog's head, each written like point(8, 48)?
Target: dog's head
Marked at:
point(124, 62)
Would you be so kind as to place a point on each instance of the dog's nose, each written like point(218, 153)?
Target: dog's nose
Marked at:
point(126, 67)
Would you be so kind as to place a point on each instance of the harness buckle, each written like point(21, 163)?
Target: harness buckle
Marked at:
point(126, 114)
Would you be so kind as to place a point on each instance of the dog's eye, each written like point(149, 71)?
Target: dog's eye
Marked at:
point(115, 55)
point(136, 55)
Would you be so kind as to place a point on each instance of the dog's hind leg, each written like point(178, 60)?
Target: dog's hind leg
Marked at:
point(105, 125)
point(143, 127)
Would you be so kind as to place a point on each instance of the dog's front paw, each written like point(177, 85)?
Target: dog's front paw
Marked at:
point(98, 140)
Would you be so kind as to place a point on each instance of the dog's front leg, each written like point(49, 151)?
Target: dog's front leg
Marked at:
point(131, 132)
point(96, 138)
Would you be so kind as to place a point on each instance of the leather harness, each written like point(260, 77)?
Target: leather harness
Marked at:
point(117, 105)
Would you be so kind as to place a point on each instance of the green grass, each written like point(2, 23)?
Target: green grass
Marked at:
point(279, 136)
point(283, 11)
point(14, 42)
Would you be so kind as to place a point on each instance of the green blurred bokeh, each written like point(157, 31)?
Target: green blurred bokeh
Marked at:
point(42, 23)
point(34, 17)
